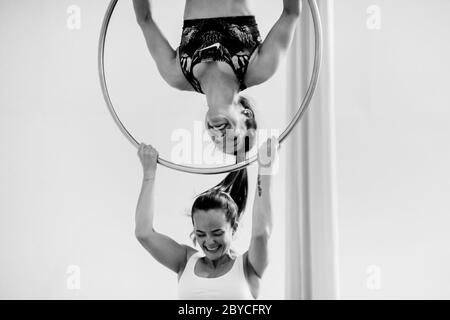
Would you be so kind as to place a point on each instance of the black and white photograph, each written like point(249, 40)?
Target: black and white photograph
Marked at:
point(225, 150)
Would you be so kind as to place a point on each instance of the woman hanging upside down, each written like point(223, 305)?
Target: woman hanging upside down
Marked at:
point(221, 53)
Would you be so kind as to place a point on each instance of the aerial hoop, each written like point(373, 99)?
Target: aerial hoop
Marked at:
point(224, 169)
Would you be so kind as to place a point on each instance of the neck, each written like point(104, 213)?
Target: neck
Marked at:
point(220, 89)
point(220, 261)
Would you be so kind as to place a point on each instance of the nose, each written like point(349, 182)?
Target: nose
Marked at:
point(209, 241)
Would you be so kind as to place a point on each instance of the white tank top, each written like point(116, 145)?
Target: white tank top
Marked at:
point(230, 286)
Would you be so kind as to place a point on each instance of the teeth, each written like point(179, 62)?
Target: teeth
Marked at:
point(219, 127)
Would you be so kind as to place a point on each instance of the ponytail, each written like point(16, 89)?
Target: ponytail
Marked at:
point(236, 185)
point(230, 195)
point(232, 192)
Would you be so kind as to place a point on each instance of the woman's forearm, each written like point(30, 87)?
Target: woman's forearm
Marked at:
point(292, 6)
point(142, 10)
point(262, 207)
point(145, 207)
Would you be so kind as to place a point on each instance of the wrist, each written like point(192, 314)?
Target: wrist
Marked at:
point(149, 176)
point(269, 167)
point(266, 170)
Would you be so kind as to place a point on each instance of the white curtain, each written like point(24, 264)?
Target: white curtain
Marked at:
point(311, 231)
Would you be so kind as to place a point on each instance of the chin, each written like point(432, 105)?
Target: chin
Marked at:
point(213, 255)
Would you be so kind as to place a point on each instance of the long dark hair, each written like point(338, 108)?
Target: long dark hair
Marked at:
point(232, 192)
point(234, 187)
point(250, 122)
point(230, 195)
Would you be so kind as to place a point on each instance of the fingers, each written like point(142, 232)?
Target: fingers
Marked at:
point(268, 151)
point(140, 148)
point(144, 149)
point(268, 156)
point(274, 143)
point(271, 144)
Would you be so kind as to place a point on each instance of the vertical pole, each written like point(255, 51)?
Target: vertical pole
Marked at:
point(311, 230)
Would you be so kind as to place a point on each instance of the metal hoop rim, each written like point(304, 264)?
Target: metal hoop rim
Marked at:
point(224, 169)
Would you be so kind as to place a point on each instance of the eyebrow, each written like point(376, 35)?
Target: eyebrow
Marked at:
point(215, 230)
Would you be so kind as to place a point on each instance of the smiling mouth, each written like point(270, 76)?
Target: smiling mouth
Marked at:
point(212, 250)
point(222, 128)
point(217, 125)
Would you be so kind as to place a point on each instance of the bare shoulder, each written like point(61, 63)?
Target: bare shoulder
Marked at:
point(174, 76)
point(272, 50)
point(189, 253)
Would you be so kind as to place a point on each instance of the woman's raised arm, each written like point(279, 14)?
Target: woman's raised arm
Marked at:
point(160, 49)
point(142, 9)
point(292, 6)
point(164, 249)
point(275, 45)
point(262, 207)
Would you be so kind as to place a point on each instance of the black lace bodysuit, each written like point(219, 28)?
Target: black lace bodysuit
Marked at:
point(228, 39)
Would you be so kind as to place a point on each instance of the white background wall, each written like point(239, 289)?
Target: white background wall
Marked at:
point(393, 133)
point(69, 180)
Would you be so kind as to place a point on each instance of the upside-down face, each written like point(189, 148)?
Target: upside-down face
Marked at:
point(228, 129)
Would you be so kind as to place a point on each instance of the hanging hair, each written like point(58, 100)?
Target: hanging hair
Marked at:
point(230, 195)
point(232, 192)
point(250, 122)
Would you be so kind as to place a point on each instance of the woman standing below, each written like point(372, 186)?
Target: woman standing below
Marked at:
point(217, 271)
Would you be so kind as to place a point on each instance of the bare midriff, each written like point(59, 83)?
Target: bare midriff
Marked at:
point(198, 9)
